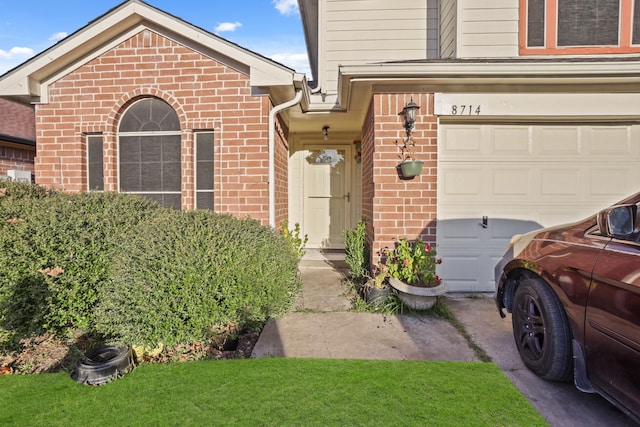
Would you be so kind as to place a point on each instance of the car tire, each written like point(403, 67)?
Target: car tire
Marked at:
point(541, 331)
point(103, 364)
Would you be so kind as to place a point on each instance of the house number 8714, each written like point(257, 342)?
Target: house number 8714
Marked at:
point(468, 110)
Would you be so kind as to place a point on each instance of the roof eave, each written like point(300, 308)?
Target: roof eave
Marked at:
point(309, 16)
point(17, 140)
point(484, 73)
point(28, 82)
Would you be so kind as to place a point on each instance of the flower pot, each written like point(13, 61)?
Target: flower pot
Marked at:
point(411, 168)
point(418, 297)
point(375, 296)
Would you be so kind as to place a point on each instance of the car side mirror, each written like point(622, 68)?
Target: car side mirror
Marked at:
point(617, 221)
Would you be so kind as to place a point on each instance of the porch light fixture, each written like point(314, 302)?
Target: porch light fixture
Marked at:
point(409, 112)
point(325, 132)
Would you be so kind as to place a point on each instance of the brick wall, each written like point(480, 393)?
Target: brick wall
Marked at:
point(368, 187)
point(392, 206)
point(205, 93)
point(16, 158)
point(282, 172)
point(17, 120)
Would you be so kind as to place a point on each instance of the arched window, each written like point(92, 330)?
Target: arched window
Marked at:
point(149, 142)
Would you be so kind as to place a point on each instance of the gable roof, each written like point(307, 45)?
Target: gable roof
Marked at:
point(17, 123)
point(29, 81)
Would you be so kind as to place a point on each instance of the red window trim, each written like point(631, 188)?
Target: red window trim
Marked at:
point(551, 48)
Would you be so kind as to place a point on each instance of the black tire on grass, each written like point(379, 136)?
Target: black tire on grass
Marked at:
point(103, 364)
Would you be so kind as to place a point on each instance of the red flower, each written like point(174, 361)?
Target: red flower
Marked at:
point(439, 261)
point(405, 262)
point(427, 248)
point(437, 278)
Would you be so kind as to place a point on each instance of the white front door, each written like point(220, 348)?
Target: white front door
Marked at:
point(327, 197)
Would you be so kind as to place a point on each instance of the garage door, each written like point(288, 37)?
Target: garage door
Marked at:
point(499, 180)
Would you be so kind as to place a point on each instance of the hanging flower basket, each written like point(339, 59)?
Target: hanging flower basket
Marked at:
point(411, 168)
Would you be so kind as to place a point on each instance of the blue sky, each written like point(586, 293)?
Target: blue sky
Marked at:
point(269, 27)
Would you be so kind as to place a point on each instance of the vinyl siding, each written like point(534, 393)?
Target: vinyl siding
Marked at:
point(371, 31)
point(448, 14)
point(487, 29)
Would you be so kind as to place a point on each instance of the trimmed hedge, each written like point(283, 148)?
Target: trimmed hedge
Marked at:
point(55, 250)
point(185, 272)
point(123, 266)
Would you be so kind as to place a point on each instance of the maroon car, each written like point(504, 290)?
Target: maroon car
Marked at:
point(574, 295)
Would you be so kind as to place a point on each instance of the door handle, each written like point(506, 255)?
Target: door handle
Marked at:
point(485, 222)
point(348, 197)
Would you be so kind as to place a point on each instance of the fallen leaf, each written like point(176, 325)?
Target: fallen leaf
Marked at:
point(53, 272)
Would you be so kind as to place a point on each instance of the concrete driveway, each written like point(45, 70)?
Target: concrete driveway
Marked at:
point(561, 404)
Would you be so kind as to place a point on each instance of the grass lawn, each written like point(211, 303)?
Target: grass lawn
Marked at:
point(274, 392)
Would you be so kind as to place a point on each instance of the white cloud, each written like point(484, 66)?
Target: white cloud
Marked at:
point(14, 57)
point(56, 37)
point(297, 61)
point(286, 7)
point(287, 50)
point(16, 52)
point(224, 27)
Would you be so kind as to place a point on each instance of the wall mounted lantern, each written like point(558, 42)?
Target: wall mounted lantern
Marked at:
point(409, 167)
point(409, 112)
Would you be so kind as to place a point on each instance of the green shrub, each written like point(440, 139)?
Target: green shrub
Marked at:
point(54, 253)
point(14, 191)
point(123, 266)
point(357, 251)
point(184, 272)
point(294, 239)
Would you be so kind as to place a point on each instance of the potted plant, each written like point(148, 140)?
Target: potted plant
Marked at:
point(373, 289)
point(376, 289)
point(411, 268)
point(409, 167)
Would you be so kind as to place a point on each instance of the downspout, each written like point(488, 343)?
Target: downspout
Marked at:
point(272, 155)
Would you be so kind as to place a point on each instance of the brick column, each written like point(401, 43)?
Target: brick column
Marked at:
point(396, 207)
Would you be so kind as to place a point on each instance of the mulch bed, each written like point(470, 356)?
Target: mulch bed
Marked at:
point(47, 353)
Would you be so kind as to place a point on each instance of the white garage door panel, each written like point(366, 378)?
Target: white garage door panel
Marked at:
point(472, 229)
point(611, 142)
point(488, 190)
point(467, 271)
point(523, 178)
point(532, 216)
point(538, 143)
point(511, 181)
point(605, 180)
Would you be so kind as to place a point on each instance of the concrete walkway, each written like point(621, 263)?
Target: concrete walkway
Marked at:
point(321, 326)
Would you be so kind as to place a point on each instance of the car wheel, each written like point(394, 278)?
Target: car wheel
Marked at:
point(541, 331)
point(103, 364)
